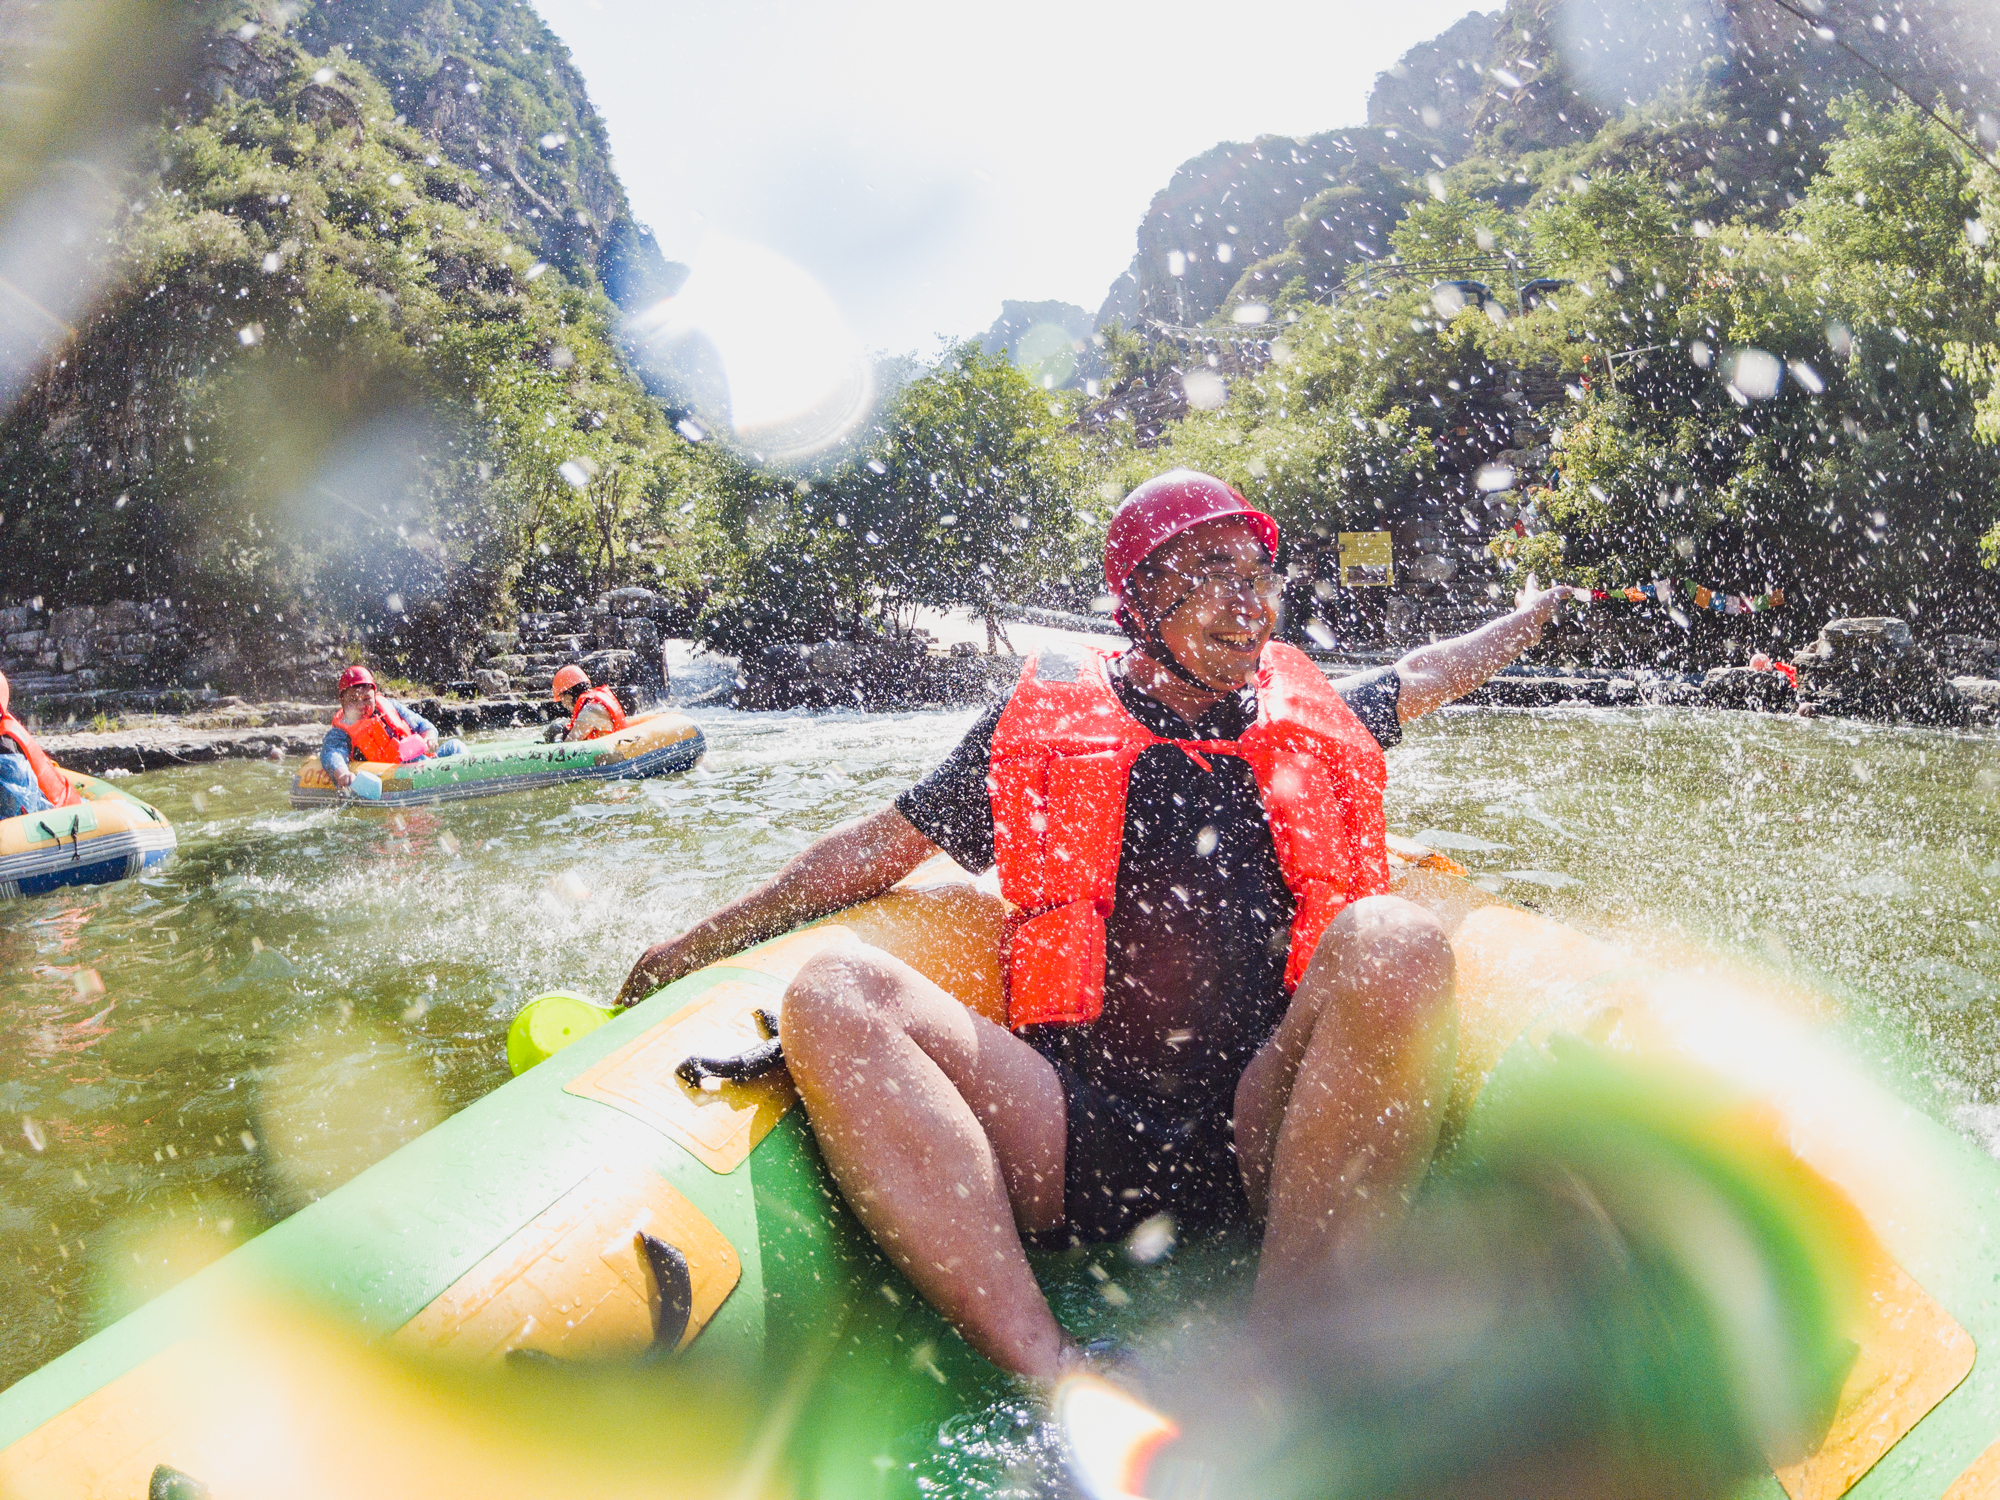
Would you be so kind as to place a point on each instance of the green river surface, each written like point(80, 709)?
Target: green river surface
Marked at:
point(189, 1056)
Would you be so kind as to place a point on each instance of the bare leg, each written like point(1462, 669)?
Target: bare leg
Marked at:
point(946, 1135)
point(1337, 1116)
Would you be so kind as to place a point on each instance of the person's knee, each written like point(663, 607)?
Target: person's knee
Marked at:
point(836, 996)
point(1394, 956)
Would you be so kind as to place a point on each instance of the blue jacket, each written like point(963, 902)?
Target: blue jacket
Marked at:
point(336, 750)
point(18, 791)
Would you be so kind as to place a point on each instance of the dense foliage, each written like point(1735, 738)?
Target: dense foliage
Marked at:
point(964, 490)
point(326, 383)
point(1809, 403)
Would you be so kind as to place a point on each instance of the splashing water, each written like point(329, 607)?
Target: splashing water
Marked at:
point(285, 957)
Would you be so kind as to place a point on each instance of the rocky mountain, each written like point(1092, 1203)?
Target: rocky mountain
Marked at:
point(354, 358)
point(1729, 98)
point(1050, 340)
point(496, 89)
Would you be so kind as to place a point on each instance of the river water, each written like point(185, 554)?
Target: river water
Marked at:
point(190, 1056)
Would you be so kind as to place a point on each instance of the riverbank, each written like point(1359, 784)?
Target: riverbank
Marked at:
point(258, 731)
point(232, 729)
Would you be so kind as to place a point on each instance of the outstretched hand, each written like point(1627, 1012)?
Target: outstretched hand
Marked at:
point(1543, 601)
point(659, 966)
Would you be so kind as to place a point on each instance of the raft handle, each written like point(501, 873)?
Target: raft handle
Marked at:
point(753, 1062)
point(169, 1483)
point(675, 1284)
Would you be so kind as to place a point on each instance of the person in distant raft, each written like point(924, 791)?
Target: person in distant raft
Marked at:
point(370, 727)
point(592, 710)
point(29, 781)
point(1215, 1010)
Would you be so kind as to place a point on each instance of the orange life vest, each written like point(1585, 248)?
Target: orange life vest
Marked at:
point(1062, 755)
point(605, 699)
point(383, 736)
point(49, 776)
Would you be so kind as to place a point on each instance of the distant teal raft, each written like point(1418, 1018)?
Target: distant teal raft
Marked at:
point(109, 835)
point(661, 744)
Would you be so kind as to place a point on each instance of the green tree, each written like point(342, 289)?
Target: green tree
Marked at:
point(965, 491)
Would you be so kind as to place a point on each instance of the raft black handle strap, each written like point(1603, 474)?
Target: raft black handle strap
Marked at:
point(676, 1288)
point(671, 1278)
point(75, 838)
point(752, 1062)
point(171, 1484)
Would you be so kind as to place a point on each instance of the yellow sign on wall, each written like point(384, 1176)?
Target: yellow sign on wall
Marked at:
point(1367, 560)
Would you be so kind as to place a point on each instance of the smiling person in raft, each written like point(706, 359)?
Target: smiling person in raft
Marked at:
point(370, 727)
point(1215, 1010)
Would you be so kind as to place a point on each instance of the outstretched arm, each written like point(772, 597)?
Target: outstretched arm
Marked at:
point(848, 865)
point(1433, 675)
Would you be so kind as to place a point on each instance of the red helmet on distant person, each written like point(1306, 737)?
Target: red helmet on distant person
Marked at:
point(571, 676)
point(1161, 509)
point(356, 676)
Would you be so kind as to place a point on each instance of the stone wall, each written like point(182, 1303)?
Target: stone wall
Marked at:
point(86, 659)
point(154, 656)
point(618, 640)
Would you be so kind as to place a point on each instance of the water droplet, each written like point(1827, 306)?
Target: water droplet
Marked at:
point(1151, 1240)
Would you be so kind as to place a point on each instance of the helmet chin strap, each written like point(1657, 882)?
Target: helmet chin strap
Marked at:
point(1149, 639)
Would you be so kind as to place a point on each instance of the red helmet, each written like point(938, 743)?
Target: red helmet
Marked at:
point(1161, 509)
point(355, 676)
point(571, 676)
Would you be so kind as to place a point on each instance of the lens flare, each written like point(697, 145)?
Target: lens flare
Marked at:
point(1113, 1436)
point(794, 378)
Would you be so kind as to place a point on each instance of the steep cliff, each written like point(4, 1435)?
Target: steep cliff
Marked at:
point(1236, 206)
point(354, 362)
point(1730, 99)
point(495, 88)
point(1049, 340)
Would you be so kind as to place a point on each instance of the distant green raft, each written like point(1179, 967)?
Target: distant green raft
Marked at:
point(661, 744)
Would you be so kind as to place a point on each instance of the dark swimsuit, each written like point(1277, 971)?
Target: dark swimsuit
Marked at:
point(1194, 962)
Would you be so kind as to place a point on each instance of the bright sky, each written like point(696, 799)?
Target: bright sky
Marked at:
point(926, 160)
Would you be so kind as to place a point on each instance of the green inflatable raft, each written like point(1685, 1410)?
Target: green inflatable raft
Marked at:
point(614, 1204)
point(657, 744)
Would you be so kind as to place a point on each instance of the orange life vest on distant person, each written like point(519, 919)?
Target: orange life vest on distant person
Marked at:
point(1062, 756)
point(383, 736)
point(605, 699)
point(49, 776)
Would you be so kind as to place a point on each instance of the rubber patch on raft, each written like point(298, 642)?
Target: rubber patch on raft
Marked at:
point(1913, 1355)
point(1981, 1481)
point(574, 1282)
point(107, 1444)
point(718, 1127)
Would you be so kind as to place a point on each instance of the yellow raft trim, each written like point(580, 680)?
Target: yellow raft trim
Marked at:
point(572, 1283)
point(1981, 1481)
point(717, 1127)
